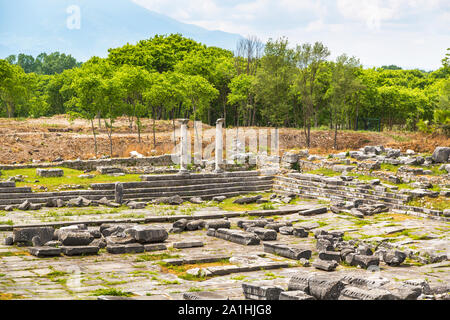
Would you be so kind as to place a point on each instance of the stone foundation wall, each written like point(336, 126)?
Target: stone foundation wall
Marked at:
point(91, 165)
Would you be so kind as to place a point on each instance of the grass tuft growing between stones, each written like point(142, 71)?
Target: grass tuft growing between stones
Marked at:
point(111, 292)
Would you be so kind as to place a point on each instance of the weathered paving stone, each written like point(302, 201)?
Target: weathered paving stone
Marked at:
point(330, 256)
point(49, 173)
point(394, 257)
point(261, 223)
point(300, 282)
point(180, 224)
point(155, 247)
point(325, 287)
point(136, 205)
point(218, 224)
point(363, 261)
point(247, 200)
point(355, 293)
point(364, 250)
point(300, 232)
point(291, 252)
point(295, 295)
point(314, 211)
point(288, 231)
point(324, 245)
point(36, 241)
point(345, 252)
point(9, 241)
point(80, 250)
point(82, 238)
point(219, 199)
point(203, 295)
point(325, 265)
point(277, 225)
point(195, 225)
point(402, 291)
point(188, 244)
point(236, 236)
point(148, 234)
point(264, 234)
point(25, 235)
point(119, 240)
point(126, 248)
point(261, 292)
point(174, 200)
point(44, 252)
point(53, 243)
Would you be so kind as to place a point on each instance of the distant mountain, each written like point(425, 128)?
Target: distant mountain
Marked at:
point(35, 26)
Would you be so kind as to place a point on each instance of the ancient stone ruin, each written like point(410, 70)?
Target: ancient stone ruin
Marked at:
point(368, 224)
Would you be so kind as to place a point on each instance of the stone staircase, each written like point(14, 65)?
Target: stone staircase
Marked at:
point(207, 186)
point(324, 188)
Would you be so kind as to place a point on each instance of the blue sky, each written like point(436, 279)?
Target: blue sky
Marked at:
point(408, 33)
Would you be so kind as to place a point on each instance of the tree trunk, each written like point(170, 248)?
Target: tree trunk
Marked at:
point(174, 130)
point(95, 137)
point(138, 123)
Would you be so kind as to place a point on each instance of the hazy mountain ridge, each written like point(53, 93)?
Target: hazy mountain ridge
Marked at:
point(32, 27)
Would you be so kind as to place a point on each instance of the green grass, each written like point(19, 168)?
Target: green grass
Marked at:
point(325, 172)
point(70, 178)
point(111, 292)
point(155, 257)
point(8, 222)
point(389, 167)
point(228, 204)
point(439, 203)
point(195, 289)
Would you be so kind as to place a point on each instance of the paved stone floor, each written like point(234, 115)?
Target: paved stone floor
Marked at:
point(27, 277)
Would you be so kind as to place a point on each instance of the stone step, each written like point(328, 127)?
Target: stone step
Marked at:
point(349, 189)
point(43, 200)
point(179, 182)
point(15, 190)
point(199, 175)
point(334, 191)
point(208, 193)
point(72, 194)
point(196, 187)
point(7, 184)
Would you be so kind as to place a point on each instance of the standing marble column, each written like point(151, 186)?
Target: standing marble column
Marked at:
point(219, 145)
point(184, 146)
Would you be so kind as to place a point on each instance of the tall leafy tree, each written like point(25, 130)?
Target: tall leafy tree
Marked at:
point(309, 60)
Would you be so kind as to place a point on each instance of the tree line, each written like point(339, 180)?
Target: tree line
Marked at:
point(260, 84)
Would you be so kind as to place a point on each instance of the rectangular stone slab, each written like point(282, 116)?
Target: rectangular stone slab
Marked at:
point(283, 250)
point(78, 251)
point(261, 292)
point(203, 295)
point(188, 244)
point(126, 248)
point(354, 293)
point(236, 236)
point(43, 252)
point(295, 295)
point(263, 234)
point(155, 247)
point(314, 211)
point(25, 235)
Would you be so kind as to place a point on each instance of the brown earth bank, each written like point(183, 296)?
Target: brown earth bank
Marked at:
point(45, 139)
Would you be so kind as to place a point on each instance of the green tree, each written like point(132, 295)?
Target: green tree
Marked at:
point(309, 59)
point(273, 81)
point(343, 85)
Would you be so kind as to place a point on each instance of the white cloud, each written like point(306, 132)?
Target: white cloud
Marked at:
point(410, 33)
